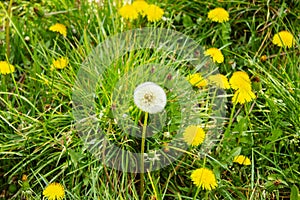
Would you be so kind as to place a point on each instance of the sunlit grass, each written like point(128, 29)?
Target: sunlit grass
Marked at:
point(38, 137)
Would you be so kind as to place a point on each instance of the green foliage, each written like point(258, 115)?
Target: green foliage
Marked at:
point(37, 133)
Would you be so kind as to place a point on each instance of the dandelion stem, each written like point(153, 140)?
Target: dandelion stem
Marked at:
point(204, 161)
point(59, 12)
point(230, 120)
point(4, 86)
point(7, 30)
point(206, 195)
point(196, 194)
point(142, 155)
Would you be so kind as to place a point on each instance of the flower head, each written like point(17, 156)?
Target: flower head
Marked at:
point(216, 54)
point(218, 15)
point(242, 96)
point(204, 178)
point(219, 80)
point(240, 80)
point(128, 12)
point(283, 39)
point(242, 160)
point(54, 191)
point(150, 97)
point(197, 80)
point(60, 63)
point(141, 7)
point(154, 13)
point(60, 28)
point(194, 135)
point(6, 68)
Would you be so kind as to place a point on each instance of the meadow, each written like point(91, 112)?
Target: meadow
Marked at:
point(167, 99)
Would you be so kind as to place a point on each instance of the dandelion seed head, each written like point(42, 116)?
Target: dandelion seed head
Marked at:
point(150, 97)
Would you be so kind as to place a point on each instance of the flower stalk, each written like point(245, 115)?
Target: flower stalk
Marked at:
point(7, 29)
point(142, 183)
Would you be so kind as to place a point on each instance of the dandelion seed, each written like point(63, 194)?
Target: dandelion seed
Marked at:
point(60, 63)
point(219, 80)
point(141, 7)
point(60, 28)
point(6, 68)
point(284, 39)
point(215, 54)
point(154, 13)
point(242, 160)
point(128, 12)
point(197, 80)
point(27, 38)
point(194, 135)
point(54, 191)
point(152, 156)
point(150, 97)
point(218, 15)
point(204, 178)
point(167, 134)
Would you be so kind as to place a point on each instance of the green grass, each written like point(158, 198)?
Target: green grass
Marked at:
point(38, 136)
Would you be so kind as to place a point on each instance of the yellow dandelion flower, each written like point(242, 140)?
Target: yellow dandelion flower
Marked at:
point(141, 7)
point(6, 68)
point(218, 15)
point(128, 12)
point(197, 80)
point(242, 160)
point(54, 191)
point(204, 178)
point(240, 80)
point(60, 28)
point(194, 135)
point(154, 13)
point(216, 54)
point(242, 96)
point(219, 80)
point(60, 63)
point(283, 39)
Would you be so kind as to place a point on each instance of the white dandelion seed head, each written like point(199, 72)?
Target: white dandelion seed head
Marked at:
point(150, 97)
